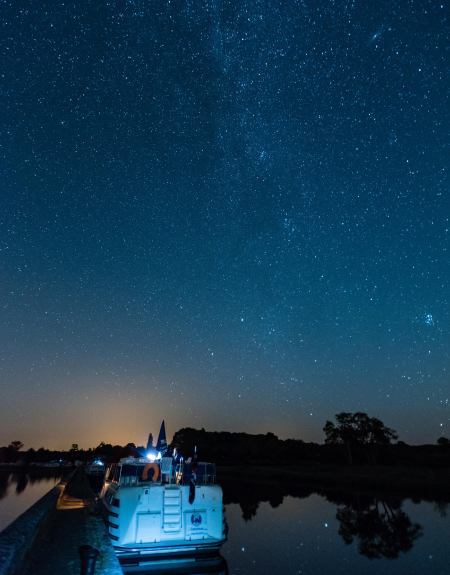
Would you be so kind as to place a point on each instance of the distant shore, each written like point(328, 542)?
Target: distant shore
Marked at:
point(398, 480)
point(405, 481)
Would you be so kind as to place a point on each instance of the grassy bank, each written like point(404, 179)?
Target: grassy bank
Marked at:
point(404, 481)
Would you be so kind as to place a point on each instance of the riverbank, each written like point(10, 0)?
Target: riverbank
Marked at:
point(19, 537)
point(46, 538)
point(76, 522)
point(413, 482)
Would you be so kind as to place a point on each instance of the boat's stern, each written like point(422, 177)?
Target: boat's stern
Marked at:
point(159, 518)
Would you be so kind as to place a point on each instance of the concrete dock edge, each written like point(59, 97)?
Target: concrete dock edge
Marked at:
point(18, 538)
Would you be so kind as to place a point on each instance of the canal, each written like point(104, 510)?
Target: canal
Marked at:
point(348, 533)
point(280, 529)
point(296, 530)
point(21, 488)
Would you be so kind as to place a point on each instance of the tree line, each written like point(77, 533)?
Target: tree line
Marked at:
point(13, 453)
point(355, 438)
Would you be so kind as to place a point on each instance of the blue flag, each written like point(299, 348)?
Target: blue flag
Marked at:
point(161, 446)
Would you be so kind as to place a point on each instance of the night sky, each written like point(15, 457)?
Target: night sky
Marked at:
point(225, 214)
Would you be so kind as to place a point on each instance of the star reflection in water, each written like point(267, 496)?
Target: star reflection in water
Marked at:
point(302, 529)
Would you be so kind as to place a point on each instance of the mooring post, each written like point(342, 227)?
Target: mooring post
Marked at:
point(88, 556)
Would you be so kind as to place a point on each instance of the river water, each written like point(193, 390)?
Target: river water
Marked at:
point(293, 530)
point(20, 489)
point(348, 532)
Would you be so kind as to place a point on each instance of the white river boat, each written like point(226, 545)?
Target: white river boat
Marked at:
point(96, 469)
point(154, 509)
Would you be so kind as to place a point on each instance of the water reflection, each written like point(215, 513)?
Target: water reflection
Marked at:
point(5, 482)
point(380, 526)
point(22, 482)
point(21, 487)
point(23, 477)
point(204, 564)
point(441, 508)
point(249, 494)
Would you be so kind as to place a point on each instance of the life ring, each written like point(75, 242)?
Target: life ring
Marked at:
point(147, 469)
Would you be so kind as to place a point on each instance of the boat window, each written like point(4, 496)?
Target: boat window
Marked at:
point(128, 471)
point(140, 471)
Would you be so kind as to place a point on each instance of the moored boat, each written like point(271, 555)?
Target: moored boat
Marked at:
point(156, 508)
point(97, 468)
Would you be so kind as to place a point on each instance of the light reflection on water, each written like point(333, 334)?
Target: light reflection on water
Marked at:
point(359, 535)
point(213, 564)
point(20, 489)
point(281, 530)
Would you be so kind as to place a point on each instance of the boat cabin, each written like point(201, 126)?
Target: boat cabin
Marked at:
point(140, 471)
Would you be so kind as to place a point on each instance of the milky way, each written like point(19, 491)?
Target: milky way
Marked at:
point(231, 215)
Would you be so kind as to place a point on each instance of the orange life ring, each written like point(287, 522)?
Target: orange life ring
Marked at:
point(147, 469)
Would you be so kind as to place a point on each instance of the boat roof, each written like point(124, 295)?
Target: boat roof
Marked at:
point(134, 460)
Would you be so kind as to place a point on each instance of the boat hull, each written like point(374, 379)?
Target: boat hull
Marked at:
point(158, 520)
point(183, 551)
point(204, 564)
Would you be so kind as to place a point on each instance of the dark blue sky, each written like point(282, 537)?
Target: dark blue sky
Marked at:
point(230, 215)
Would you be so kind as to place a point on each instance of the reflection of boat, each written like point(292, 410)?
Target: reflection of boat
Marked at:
point(158, 510)
point(204, 564)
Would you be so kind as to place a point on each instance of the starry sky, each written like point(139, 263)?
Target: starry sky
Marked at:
point(229, 214)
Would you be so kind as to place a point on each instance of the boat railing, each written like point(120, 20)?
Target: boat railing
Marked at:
point(200, 474)
point(131, 474)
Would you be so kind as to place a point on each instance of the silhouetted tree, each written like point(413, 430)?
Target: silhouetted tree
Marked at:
point(358, 429)
point(30, 455)
point(100, 448)
point(11, 453)
point(16, 445)
point(226, 446)
point(443, 441)
point(43, 455)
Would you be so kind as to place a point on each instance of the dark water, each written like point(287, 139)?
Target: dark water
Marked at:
point(344, 532)
point(20, 489)
point(282, 530)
